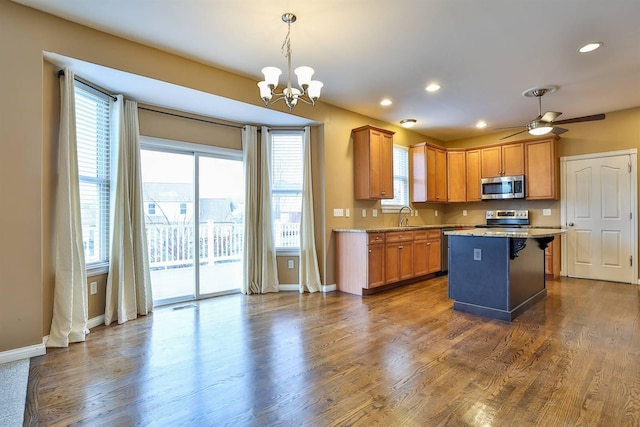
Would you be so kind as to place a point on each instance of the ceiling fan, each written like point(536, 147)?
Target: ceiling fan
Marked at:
point(547, 123)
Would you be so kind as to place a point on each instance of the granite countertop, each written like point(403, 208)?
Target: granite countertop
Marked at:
point(382, 229)
point(520, 233)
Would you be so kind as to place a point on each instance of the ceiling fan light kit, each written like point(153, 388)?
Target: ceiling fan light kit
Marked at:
point(546, 123)
point(308, 91)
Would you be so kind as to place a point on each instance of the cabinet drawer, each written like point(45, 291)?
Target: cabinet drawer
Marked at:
point(399, 236)
point(375, 238)
point(420, 235)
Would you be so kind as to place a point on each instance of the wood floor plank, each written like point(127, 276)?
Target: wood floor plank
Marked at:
point(399, 358)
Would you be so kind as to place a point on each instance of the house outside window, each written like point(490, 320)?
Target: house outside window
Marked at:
point(183, 208)
point(400, 181)
point(93, 119)
point(151, 208)
point(286, 187)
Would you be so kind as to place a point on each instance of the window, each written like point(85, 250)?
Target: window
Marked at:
point(286, 187)
point(400, 180)
point(93, 144)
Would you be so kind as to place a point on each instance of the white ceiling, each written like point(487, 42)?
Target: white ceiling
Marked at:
point(484, 54)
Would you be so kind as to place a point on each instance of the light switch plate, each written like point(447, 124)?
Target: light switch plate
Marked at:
point(436, 212)
point(290, 263)
point(546, 212)
point(464, 212)
point(93, 288)
point(338, 212)
point(477, 254)
point(347, 213)
point(364, 213)
point(374, 212)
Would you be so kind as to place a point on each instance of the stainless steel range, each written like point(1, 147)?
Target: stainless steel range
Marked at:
point(507, 218)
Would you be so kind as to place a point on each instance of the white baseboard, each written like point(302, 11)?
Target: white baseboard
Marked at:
point(22, 353)
point(323, 288)
point(96, 321)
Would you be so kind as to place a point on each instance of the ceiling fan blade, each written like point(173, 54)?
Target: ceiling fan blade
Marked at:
point(517, 133)
point(581, 119)
point(509, 127)
point(558, 131)
point(549, 116)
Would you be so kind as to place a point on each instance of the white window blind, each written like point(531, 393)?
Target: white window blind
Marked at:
point(93, 110)
point(286, 187)
point(400, 178)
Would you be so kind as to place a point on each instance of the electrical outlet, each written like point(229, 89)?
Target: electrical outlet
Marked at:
point(374, 212)
point(364, 213)
point(436, 212)
point(464, 212)
point(546, 212)
point(338, 212)
point(93, 288)
point(347, 213)
point(290, 263)
point(477, 254)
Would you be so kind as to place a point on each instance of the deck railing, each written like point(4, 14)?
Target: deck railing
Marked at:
point(172, 245)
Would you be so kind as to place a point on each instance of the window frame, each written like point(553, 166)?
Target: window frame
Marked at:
point(286, 250)
point(391, 205)
point(103, 179)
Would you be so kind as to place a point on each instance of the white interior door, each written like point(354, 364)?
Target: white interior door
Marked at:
point(600, 244)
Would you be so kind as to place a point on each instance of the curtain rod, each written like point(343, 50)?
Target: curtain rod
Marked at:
point(61, 73)
point(190, 118)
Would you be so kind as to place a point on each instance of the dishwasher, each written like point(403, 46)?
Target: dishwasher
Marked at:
point(444, 250)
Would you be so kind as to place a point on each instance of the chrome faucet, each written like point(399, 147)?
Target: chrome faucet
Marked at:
point(403, 218)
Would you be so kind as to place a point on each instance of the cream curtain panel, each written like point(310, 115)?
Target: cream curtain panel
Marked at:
point(129, 283)
point(70, 303)
point(260, 270)
point(309, 272)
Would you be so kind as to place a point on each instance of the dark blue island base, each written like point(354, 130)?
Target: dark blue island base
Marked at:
point(496, 277)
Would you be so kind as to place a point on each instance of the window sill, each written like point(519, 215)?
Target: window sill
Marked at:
point(391, 209)
point(288, 252)
point(97, 269)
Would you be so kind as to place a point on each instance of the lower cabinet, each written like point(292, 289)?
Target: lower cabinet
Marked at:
point(398, 262)
point(367, 260)
point(552, 260)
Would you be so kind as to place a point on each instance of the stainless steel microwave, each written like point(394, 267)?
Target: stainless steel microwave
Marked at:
point(502, 187)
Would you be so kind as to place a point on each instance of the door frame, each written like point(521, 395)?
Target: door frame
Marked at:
point(633, 157)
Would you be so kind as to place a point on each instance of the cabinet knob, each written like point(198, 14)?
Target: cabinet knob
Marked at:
point(383, 193)
point(400, 247)
point(429, 244)
point(369, 250)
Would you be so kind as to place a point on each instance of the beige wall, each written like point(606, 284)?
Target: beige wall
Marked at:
point(28, 133)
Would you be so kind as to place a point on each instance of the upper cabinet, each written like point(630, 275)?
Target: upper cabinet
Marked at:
point(373, 163)
point(429, 173)
point(502, 160)
point(473, 175)
point(457, 176)
point(541, 168)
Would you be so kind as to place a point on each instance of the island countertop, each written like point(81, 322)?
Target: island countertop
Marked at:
point(520, 233)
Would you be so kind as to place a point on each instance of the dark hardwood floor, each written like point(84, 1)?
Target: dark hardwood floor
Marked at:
point(398, 358)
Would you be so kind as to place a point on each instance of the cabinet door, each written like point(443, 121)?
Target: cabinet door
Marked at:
point(373, 163)
point(420, 258)
point(375, 261)
point(473, 175)
point(541, 170)
point(491, 162)
point(434, 246)
point(431, 174)
point(406, 261)
point(513, 159)
point(392, 262)
point(457, 176)
point(441, 175)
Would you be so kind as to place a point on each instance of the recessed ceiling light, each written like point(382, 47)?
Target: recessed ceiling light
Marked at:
point(386, 102)
point(408, 123)
point(590, 47)
point(433, 87)
point(481, 124)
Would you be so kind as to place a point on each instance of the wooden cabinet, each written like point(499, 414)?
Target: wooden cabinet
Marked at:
point(457, 176)
point(373, 163)
point(398, 256)
point(367, 260)
point(502, 160)
point(552, 259)
point(541, 169)
point(429, 173)
point(473, 175)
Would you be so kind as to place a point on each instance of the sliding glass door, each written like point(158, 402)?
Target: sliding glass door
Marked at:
point(194, 209)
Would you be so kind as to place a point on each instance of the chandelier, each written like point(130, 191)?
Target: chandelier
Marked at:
point(308, 90)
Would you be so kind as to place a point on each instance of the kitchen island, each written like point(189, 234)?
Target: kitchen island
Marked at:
point(496, 272)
